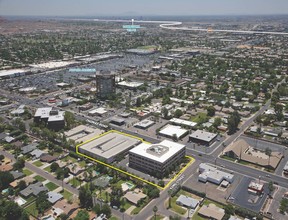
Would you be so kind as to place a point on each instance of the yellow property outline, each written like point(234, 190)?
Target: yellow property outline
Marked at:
point(129, 174)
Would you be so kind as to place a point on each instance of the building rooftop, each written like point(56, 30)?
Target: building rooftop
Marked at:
point(144, 123)
point(99, 111)
point(130, 84)
point(43, 112)
point(110, 144)
point(256, 186)
point(212, 212)
point(59, 117)
point(248, 153)
point(212, 174)
point(4, 73)
point(79, 129)
point(28, 148)
point(17, 174)
point(134, 197)
point(183, 122)
point(54, 197)
point(203, 135)
point(187, 201)
point(170, 130)
point(158, 152)
point(34, 189)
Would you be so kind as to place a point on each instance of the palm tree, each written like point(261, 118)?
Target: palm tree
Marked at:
point(155, 209)
point(268, 152)
point(73, 170)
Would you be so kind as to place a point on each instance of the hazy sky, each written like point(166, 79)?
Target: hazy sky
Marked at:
point(142, 7)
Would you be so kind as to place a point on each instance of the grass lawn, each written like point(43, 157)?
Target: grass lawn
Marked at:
point(74, 182)
point(118, 184)
point(126, 206)
point(32, 209)
point(244, 162)
point(38, 163)
point(200, 118)
point(149, 47)
point(158, 217)
point(66, 159)
point(197, 217)
point(39, 178)
point(113, 218)
point(66, 194)
point(48, 169)
point(30, 199)
point(51, 186)
point(227, 158)
point(138, 209)
point(207, 202)
point(103, 196)
point(27, 172)
point(82, 163)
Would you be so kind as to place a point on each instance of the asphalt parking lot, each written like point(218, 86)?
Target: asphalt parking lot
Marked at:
point(212, 190)
point(241, 197)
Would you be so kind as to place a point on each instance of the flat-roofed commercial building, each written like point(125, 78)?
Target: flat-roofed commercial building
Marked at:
point(156, 159)
point(53, 118)
point(212, 174)
point(82, 133)
point(178, 121)
point(144, 124)
point(171, 130)
point(108, 146)
point(203, 137)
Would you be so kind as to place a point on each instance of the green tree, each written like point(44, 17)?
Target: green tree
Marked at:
point(106, 210)
point(165, 113)
point(69, 119)
point(54, 166)
point(42, 202)
point(155, 209)
point(217, 122)
point(138, 102)
point(115, 196)
point(211, 111)
point(1, 157)
point(229, 209)
point(82, 215)
point(271, 187)
point(283, 206)
point(11, 211)
point(178, 113)
point(175, 217)
point(85, 197)
point(233, 122)
point(268, 152)
point(20, 163)
point(63, 216)
point(22, 185)
point(5, 179)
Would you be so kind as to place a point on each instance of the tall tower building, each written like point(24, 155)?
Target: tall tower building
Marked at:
point(105, 84)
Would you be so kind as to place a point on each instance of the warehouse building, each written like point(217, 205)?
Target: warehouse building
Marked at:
point(109, 146)
point(203, 137)
point(156, 159)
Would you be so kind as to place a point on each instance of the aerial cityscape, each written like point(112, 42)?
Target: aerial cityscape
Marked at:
point(174, 111)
